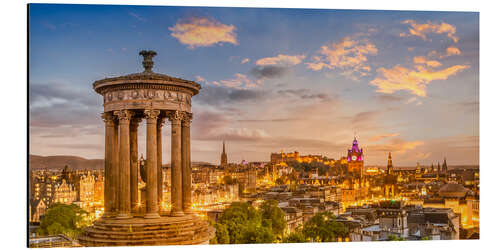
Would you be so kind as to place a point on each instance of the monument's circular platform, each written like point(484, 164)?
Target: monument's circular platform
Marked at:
point(185, 230)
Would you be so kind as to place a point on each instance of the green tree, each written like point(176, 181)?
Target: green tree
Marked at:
point(241, 223)
point(295, 237)
point(273, 217)
point(236, 218)
point(323, 227)
point(256, 234)
point(221, 234)
point(69, 220)
point(395, 238)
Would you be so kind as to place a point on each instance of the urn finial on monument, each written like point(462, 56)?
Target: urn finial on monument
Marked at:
point(148, 59)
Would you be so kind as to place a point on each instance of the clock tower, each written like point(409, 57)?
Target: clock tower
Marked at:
point(355, 159)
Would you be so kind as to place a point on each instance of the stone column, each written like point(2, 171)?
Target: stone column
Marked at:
point(124, 162)
point(115, 168)
point(159, 125)
point(151, 165)
point(134, 165)
point(108, 164)
point(186, 163)
point(176, 167)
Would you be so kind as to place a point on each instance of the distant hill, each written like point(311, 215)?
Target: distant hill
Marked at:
point(59, 161)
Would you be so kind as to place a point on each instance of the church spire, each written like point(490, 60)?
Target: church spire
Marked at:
point(389, 164)
point(223, 156)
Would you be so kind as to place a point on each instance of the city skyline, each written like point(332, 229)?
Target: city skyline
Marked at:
point(401, 82)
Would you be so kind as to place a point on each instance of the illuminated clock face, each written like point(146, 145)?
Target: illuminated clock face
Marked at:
point(353, 157)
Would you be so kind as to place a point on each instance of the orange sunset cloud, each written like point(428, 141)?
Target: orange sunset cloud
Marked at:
point(203, 32)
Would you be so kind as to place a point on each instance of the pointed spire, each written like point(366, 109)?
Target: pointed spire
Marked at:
point(223, 146)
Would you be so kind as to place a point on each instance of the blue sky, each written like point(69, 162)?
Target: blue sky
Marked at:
point(273, 79)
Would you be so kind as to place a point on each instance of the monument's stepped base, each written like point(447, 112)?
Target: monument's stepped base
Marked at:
point(185, 230)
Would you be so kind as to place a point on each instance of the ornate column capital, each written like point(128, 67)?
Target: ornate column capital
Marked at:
point(175, 117)
point(108, 118)
point(186, 119)
point(151, 115)
point(124, 115)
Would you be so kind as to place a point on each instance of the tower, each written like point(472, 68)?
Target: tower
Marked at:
point(445, 167)
point(389, 164)
point(355, 159)
point(223, 156)
point(389, 179)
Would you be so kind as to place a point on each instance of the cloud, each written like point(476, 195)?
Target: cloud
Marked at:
point(422, 30)
point(239, 81)
point(221, 96)
point(348, 55)
point(413, 99)
point(304, 94)
point(363, 117)
point(245, 60)
point(217, 126)
point(203, 32)
point(396, 145)
point(275, 67)
point(384, 98)
point(382, 137)
point(415, 81)
point(137, 16)
point(271, 71)
point(451, 51)
point(48, 25)
point(423, 60)
point(284, 60)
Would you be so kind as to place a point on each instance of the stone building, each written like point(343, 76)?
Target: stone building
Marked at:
point(64, 193)
point(85, 191)
point(434, 224)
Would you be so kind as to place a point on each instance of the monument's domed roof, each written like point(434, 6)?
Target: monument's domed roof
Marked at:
point(452, 190)
point(146, 77)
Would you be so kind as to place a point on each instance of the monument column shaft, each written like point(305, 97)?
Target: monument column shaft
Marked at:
point(186, 165)
point(108, 163)
point(151, 165)
point(160, 160)
point(115, 169)
point(176, 165)
point(124, 153)
point(134, 166)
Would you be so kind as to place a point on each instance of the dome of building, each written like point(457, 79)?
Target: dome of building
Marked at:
point(452, 190)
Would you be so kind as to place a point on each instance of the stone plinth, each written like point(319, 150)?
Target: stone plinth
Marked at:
point(184, 230)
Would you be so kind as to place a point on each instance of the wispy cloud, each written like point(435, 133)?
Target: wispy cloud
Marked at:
point(283, 60)
point(382, 137)
point(238, 81)
point(396, 145)
point(413, 80)
point(203, 32)
point(137, 16)
point(423, 60)
point(348, 55)
point(245, 60)
point(422, 30)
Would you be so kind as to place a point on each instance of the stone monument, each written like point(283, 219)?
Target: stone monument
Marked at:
point(127, 100)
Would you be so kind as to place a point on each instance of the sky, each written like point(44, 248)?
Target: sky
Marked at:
point(273, 80)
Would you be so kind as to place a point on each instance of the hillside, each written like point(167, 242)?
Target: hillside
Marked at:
point(59, 161)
